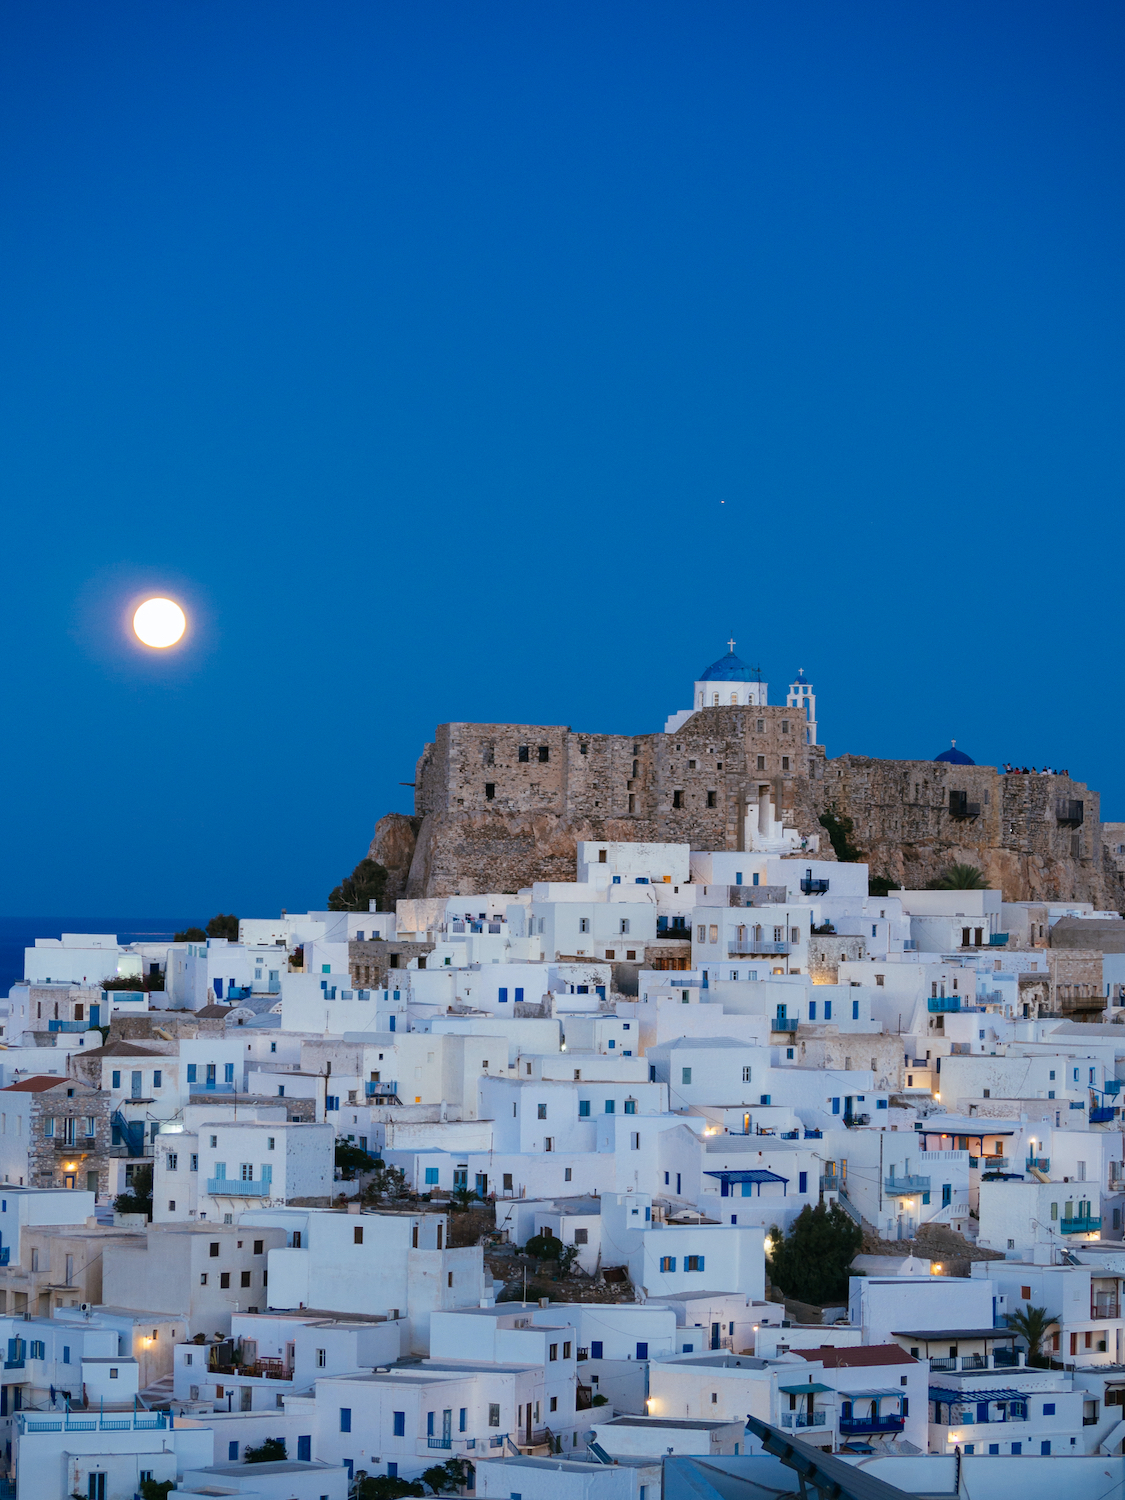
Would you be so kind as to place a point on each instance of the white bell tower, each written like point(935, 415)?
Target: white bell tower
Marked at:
point(802, 696)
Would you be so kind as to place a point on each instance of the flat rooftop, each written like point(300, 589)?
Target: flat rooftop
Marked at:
point(705, 1424)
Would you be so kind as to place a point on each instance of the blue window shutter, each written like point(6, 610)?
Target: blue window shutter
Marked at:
point(345, 1419)
point(220, 1169)
point(400, 1424)
point(828, 1010)
point(503, 994)
point(812, 1010)
point(267, 1173)
point(190, 1075)
point(802, 1182)
point(596, 1349)
point(519, 995)
point(232, 1453)
point(117, 1079)
point(835, 1106)
point(855, 1010)
point(228, 1073)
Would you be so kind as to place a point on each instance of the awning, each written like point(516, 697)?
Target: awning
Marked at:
point(941, 1335)
point(896, 1390)
point(803, 1390)
point(967, 1397)
point(755, 1174)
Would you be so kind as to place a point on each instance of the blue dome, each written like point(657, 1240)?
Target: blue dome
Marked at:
point(955, 757)
point(800, 680)
point(727, 669)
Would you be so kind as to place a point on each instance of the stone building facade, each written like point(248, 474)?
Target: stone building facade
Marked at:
point(69, 1133)
point(499, 806)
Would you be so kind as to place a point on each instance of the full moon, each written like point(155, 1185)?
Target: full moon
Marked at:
point(159, 622)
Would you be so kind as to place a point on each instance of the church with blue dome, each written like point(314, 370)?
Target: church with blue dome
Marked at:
point(955, 757)
point(731, 683)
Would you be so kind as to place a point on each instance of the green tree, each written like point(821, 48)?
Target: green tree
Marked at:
point(960, 877)
point(444, 1478)
point(840, 829)
point(462, 1198)
point(881, 885)
point(350, 1160)
point(366, 883)
point(270, 1451)
point(137, 1198)
point(811, 1263)
point(190, 935)
point(1032, 1325)
point(386, 1182)
point(156, 1489)
point(223, 927)
point(135, 982)
point(385, 1487)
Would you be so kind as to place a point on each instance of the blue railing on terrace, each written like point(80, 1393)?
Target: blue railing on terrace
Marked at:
point(234, 1187)
point(69, 1025)
point(439, 1442)
point(939, 1005)
point(1081, 1224)
point(149, 1421)
point(907, 1186)
point(747, 947)
point(783, 1023)
point(872, 1424)
point(371, 1089)
point(803, 1419)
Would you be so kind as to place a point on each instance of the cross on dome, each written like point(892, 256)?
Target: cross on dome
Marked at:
point(730, 643)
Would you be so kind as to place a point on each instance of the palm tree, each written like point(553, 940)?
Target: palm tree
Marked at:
point(463, 1197)
point(1032, 1325)
point(961, 877)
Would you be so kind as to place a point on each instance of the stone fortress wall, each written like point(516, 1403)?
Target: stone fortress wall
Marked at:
point(499, 806)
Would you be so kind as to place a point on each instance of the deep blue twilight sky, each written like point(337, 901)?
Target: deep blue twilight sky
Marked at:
point(415, 347)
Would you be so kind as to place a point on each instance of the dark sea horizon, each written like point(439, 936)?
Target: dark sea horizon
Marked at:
point(18, 933)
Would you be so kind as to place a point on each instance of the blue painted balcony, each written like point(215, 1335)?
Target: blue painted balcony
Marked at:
point(803, 1419)
point(239, 992)
point(69, 1025)
point(943, 1005)
point(997, 939)
point(1102, 1114)
point(234, 1187)
point(439, 1442)
point(851, 1425)
point(1040, 1163)
point(1081, 1224)
point(905, 1187)
point(783, 1023)
point(386, 1090)
point(813, 887)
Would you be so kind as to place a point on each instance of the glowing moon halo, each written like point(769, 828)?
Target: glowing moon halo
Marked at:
point(159, 623)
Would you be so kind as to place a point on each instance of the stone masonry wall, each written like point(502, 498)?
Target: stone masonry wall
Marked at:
point(488, 820)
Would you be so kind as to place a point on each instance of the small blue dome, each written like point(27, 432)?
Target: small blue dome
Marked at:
point(727, 669)
point(955, 757)
point(800, 680)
